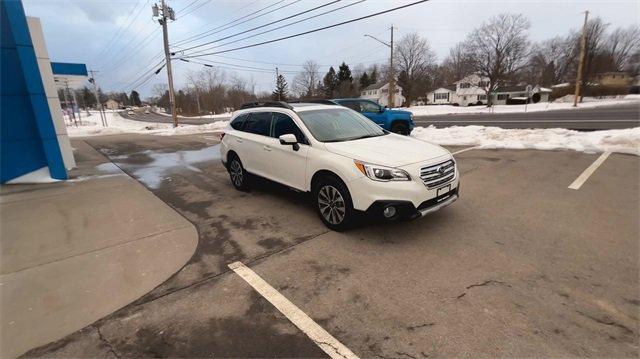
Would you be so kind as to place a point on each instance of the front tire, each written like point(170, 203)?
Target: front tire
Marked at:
point(333, 203)
point(237, 174)
point(400, 128)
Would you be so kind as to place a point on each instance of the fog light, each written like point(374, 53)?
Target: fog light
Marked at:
point(389, 212)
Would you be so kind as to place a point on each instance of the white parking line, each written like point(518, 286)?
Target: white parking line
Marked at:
point(465, 150)
point(589, 171)
point(321, 337)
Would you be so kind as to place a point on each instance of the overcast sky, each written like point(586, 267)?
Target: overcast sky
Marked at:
point(120, 39)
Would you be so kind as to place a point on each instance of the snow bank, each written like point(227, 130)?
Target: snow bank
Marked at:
point(564, 103)
point(91, 126)
point(621, 141)
point(218, 116)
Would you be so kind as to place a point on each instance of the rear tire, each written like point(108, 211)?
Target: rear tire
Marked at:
point(333, 203)
point(400, 128)
point(237, 173)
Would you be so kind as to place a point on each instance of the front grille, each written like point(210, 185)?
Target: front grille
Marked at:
point(436, 175)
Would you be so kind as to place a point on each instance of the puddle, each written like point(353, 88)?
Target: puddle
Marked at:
point(159, 165)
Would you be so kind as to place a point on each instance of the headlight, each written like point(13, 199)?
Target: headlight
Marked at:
point(382, 173)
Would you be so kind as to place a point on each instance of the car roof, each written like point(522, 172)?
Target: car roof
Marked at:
point(295, 107)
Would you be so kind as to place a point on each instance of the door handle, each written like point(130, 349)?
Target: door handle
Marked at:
point(266, 148)
point(238, 139)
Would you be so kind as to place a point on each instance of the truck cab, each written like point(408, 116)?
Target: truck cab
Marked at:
point(397, 121)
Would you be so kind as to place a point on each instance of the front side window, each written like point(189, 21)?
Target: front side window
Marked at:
point(259, 123)
point(339, 124)
point(366, 106)
point(351, 104)
point(283, 125)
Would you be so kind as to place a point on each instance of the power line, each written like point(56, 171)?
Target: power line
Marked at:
point(311, 31)
point(125, 30)
point(271, 30)
point(274, 22)
point(143, 44)
point(202, 34)
point(196, 8)
point(186, 7)
point(108, 44)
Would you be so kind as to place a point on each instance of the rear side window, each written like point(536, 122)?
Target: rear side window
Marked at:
point(237, 123)
point(283, 124)
point(259, 123)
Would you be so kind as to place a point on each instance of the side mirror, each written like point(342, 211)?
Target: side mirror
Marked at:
point(289, 139)
point(382, 109)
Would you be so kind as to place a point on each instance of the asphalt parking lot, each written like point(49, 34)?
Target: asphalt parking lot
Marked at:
point(521, 265)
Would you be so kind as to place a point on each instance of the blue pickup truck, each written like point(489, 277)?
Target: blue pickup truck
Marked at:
point(397, 121)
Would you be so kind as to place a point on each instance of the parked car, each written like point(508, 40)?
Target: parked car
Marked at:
point(397, 121)
point(347, 163)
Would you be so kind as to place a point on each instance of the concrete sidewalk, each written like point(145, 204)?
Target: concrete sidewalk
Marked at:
point(75, 251)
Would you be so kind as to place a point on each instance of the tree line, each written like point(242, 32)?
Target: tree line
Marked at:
point(499, 49)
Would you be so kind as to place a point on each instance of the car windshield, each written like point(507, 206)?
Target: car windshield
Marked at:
point(339, 124)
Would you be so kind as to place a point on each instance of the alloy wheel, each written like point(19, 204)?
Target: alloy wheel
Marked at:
point(331, 204)
point(236, 173)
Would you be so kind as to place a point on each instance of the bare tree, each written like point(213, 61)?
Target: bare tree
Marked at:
point(499, 49)
point(622, 44)
point(305, 83)
point(414, 58)
point(457, 65)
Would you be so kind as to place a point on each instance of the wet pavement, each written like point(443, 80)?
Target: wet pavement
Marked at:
point(519, 266)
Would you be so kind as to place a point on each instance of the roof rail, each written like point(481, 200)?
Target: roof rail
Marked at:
point(266, 104)
point(320, 101)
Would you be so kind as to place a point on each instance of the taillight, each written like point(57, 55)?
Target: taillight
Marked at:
point(221, 135)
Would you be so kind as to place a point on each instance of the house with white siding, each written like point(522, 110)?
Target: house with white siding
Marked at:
point(472, 90)
point(379, 92)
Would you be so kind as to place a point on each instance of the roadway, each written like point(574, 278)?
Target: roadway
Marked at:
point(597, 118)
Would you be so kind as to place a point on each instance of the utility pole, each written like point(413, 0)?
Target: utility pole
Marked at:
point(277, 78)
point(391, 74)
point(66, 99)
point(583, 45)
point(165, 13)
point(92, 80)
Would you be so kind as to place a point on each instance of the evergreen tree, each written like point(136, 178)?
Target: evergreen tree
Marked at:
point(135, 98)
point(330, 83)
point(364, 80)
point(344, 74)
point(281, 93)
point(374, 76)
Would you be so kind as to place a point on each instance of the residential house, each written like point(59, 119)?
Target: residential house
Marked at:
point(111, 104)
point(472, 90)
point(614, 79)
point(518, 94)
point(379, 92)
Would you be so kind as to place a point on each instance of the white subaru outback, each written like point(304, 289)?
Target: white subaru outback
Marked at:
point(347, 162)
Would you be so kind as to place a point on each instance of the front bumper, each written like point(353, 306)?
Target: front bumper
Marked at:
point(407, 210)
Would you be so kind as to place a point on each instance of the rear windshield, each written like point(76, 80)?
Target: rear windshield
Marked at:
point(339, 124)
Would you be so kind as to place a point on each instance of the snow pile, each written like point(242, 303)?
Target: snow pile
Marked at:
point(91, 126)
point(621, 141)
point(563, 103)
point(213, 117)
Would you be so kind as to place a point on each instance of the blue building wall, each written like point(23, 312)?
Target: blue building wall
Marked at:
point(27, 135)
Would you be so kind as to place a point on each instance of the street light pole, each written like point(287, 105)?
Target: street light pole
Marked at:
point(391, 74)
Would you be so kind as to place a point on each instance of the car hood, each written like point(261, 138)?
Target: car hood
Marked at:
point(389, 150)
point(400, 112)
